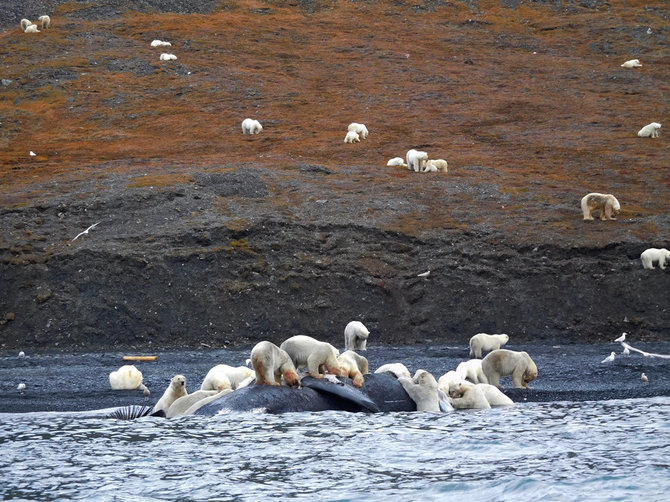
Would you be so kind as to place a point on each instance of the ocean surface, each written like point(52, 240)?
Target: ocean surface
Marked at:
point(565, 450)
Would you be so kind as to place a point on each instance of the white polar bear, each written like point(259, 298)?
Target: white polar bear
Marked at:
point(482, 342)
point(472, 370)
point(356, 336)
point(359, 129)
point(632, 63)
point(127, 377)
point(223, 376)
point(167, 57)
point(396, 162)
point(45, 21)
point(416, 160)
point(503, 362)
point(179, 406)
point(436, 165)
point(313, 354)
point(447, 380)
point(271, 364)
point(25, 23)
point(251, 126)
point(423, 391)
point(352, 137)
point(650, 131)
point(606, 203)
point(31, 29)
point(396, 369)
point(468, 396)
point(354, 366)
point(649, 256)
point(160, 43)
point(175, 390)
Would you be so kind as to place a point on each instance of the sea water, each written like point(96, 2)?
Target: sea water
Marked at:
point(589, 450)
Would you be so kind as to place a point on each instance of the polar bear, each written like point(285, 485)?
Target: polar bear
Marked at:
point(437, 165)
point(179, 407)
point(607, 204)
point(447, 380)
point(468, 396)
point(396, 369)
point(396, 162)
point(167, 57)
point(354, 366)
point(649, 256)
point(359, 129)
point(223, 376)
point(356, 336)
point(423, 390)
point(493, 395)
point(25, 23)
point(160, 43)
point(175, 390)
point(313, 354)
point(650, 131)
point(416, 160)
point(632, 63)
point(503, 362)
point(251, 126)
point(352, 137)
point(472, 370)
point(31, 29)
point(127, 377)
point(45, 21)
point(271, 364)
point(482, 342)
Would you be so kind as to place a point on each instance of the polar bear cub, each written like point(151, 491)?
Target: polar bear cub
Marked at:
point(632, 63)
point(649, 256)
point(175, 390)
point(352, 137)
point(251, 126)
point(356, 336)
point(271, 363)
point(650, 131)
point(416, 160)
point(127, 377)
point(359, 129)
point(313, 354)
point(423, 391)
point(482, 342)
point(354, 366)
point(396, 162)
point(472, 370)
point(222, 377)
point(435, 165)
point(606, 203)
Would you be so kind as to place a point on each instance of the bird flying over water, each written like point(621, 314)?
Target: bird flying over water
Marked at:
point(621, 338)
point(609, 358)
point(85, 232)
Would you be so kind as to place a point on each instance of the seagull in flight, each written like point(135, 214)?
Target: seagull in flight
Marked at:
point(609, 358)
point(85, 232)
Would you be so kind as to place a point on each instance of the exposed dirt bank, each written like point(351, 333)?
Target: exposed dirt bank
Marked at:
point(208, 237)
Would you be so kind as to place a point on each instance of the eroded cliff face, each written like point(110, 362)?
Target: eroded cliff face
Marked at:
point(210, 237)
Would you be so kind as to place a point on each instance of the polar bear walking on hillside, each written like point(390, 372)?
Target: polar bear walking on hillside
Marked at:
point(607, 204)
point(416, 160)
point(251, 126)
point(650, 131)
point(649, 256)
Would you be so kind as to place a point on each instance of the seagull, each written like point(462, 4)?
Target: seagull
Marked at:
point(424, 274)
point(32, 154)
point(622, 338)
point(649, 31)
point(645, 354)
point(21, 387)
point(609, 358)
point(22, 355)
point(86, 231)
point(626, 352)
point(644, 378)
